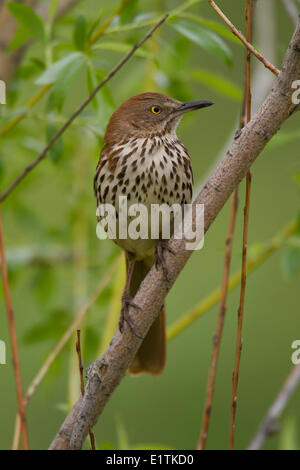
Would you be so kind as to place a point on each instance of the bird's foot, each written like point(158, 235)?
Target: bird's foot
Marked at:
point(161, 247)
point(125, 317)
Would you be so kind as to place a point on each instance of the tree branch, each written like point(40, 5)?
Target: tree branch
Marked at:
point(14, 342)
point(268, 425)
point(239, 35)
point(105, 374)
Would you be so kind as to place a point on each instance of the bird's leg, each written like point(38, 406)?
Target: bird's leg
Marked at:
point(127, 299)
point(161, 247)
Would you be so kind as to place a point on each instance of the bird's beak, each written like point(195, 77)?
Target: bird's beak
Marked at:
point(192, 105)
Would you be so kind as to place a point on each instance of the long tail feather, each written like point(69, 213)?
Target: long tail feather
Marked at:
point(151, 356)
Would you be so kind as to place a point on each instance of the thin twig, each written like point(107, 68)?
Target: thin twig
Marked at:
point(219, 329)
point(246, 104)
point(62, 342)
point(238, 352)
point(237, 33)
point(43, 154)
point(269, 423)
point(80, 366)
point(14, 341)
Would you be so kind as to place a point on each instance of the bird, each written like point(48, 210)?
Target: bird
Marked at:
point(144, 161)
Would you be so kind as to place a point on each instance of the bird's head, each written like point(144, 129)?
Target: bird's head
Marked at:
point(149, 114)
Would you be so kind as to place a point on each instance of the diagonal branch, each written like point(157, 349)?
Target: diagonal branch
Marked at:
point(105, 374)
point(269, 423)
point(242, 38)
point(59, 133)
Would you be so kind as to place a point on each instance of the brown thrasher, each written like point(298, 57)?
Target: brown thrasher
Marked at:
point(144, 160)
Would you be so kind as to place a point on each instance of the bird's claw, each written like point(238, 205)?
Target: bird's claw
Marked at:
point(161, 247)
point(125, 317)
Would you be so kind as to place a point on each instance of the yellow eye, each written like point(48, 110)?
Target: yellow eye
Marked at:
point(156, 109)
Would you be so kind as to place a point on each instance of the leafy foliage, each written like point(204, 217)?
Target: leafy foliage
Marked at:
point(28, 19)
point(55, 210)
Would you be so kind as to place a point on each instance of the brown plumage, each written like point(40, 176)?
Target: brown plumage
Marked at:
point(144, 161)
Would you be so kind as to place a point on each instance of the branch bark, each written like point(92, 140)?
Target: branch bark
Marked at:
point(105, 374)
point(269, 424)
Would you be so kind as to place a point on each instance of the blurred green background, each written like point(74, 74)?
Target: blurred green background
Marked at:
point(55, 260)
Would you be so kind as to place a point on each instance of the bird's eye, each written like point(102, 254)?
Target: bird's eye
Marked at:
point(156, 109)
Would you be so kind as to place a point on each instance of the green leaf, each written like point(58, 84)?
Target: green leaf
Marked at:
point(51, 328)
point(217, 83)
point(32, 144)
point(204, 38)
point(22, 35)
point(91, 84)
point(103, 101)
point(95, 23)
point(216, 27)
point(51, 74)
point(37, 62)
point(129, 11)
point(291, 258)
point(124, 48)
point(30, 68)
point(28, 19)
point(80, 33)
point(53, 9)
point(65, 80)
